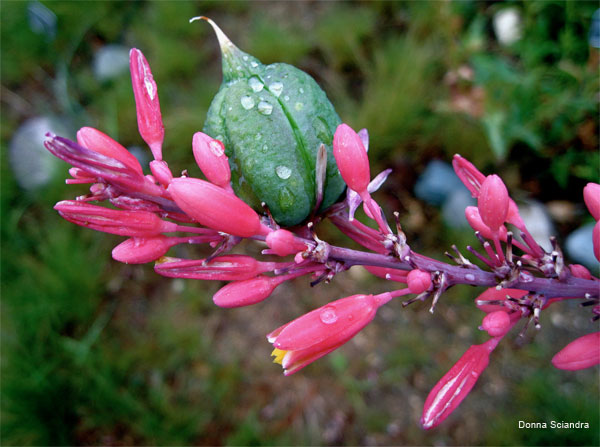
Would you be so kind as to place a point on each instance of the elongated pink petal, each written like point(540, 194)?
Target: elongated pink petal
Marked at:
point(124, 223)
point(210, 157)
point(149, 117)
point(468, 174)
point(141, 250)
point(247, 292)
point(581, 353)
point(493, 202)
point(351, 158)
point(161, 172)
point(221, 268)
point(388, 273)
point(456, 384)
point(215, 208)
point(591, 196)
point(97, 141)
point(579, 271)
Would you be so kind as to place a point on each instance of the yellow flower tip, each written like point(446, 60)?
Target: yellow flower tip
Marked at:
point(278, 354)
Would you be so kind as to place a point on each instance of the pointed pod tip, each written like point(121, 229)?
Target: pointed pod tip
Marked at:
point(224, 41)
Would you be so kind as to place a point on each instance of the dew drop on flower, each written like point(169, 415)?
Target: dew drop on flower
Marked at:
point(283, 172)
point(276, 88)
point(328, 315)
point(216, 148)
point(247, 102)
point(265, 108)
point(255, 84)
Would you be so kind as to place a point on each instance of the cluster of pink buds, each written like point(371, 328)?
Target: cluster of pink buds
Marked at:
point(159, 210)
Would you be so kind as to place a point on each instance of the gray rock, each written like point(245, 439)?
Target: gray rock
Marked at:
point(579, 246)
point(111, 61)
point(437, 182)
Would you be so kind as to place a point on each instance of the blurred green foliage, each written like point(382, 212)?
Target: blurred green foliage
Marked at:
point(94, 352)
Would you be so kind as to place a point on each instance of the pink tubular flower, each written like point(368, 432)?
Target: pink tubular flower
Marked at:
point(468, 174)
point(496, 323)
point(579, 271)
point(456, 384)
point(210, 157)
point(323, 330)
point(581, 353)
point(97, 141)
point(149, 118)
point(591, 196)
point(222, 268)
point(493, 202)
point(351, 158)
point(283, 243)
point(124, 223)
point(475, 221)
point(247, 292)
point(215, 208)
point(139, 250)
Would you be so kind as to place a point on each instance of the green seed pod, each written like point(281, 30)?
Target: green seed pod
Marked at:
point(272, 120)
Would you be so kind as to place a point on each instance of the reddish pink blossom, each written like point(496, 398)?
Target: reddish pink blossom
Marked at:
point(95, 140)
point(456, 384)
point(496, 323)
point(222, 268)
point(283, 243)
point(215, 208)
point(493, 202)
point(147, 106)
point(475, 221)
point(210, 157)
point(351, 158)
point(323, 330)
point(139, 250)
point(418, 281)
point(493, 294)
point(247, 292)
point(591, 196)
point(124, 223)
point(581, 353)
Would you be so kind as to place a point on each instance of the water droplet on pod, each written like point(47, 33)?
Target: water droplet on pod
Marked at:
point(247, 102)
point(283, 172)
point(276, 88)
point(265, 108)
point(255, 84)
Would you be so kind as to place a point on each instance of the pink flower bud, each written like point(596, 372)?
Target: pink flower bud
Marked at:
point(124, 223)
point(456, 384)
point(496, 323)
point(418, 281)
point(596, 240)
point(248, 292)
point(591, 196)
point(221, 268)
point(351, 158)
point(319, 332)
point(215, 208)
point(493, 202)
point(492, 294)
point(579, 271)
point(468, 174)
point(161, 172)
point(581, 353)
point(140, 250)
point(97, 141)
point(210, 157)
point(284, 243)
point(149, 118)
